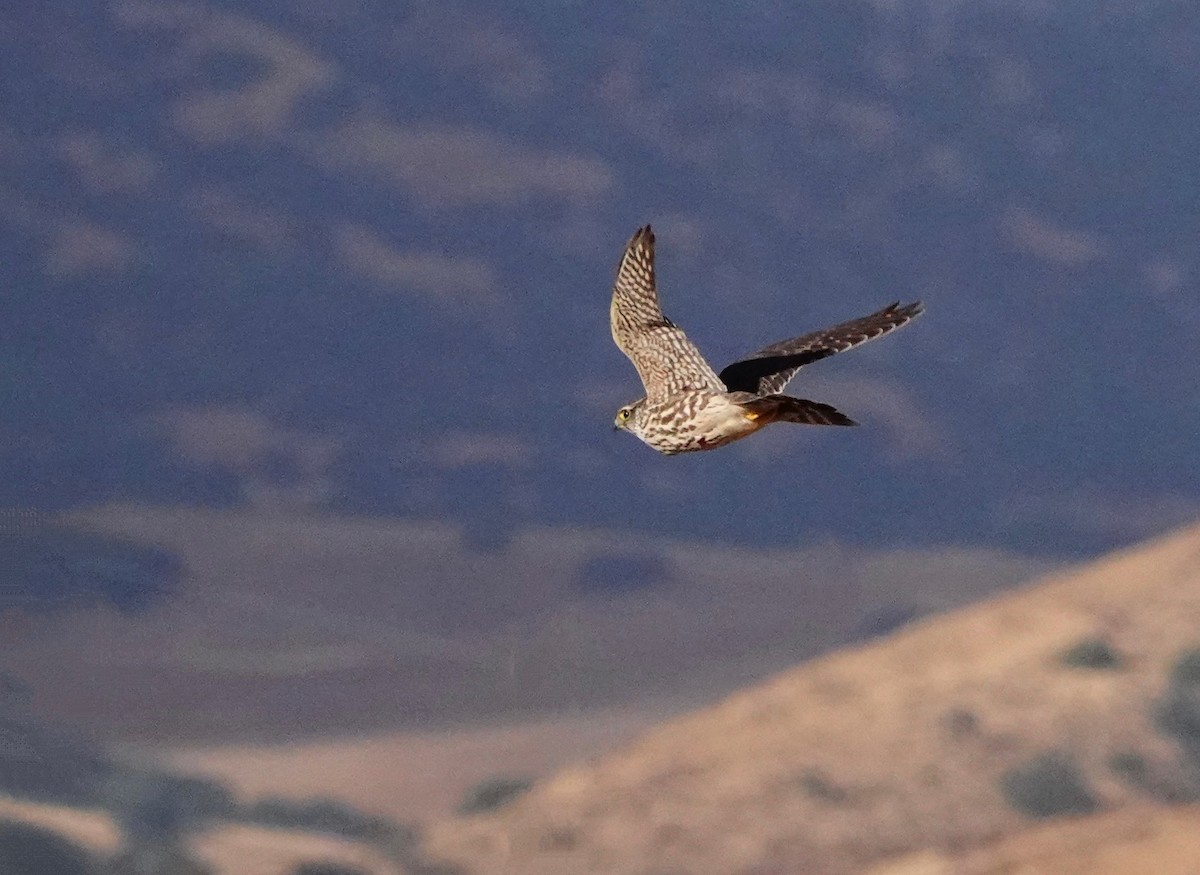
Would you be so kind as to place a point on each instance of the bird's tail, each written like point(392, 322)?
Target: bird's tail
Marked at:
point(783, 408)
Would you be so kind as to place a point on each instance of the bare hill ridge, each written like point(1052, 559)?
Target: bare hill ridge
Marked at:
point(225, 848)
point(287, 625)
point(1137, 840)
point(880, 750)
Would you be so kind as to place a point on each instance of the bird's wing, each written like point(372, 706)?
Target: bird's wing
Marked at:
point(767, 371)
point(665, 359)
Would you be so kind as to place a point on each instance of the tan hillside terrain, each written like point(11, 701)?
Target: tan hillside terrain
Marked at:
point(1134, 841)
point(289, 625)
point(91, 829)
point(228, 849)
point(877, 751)
point(409, 775)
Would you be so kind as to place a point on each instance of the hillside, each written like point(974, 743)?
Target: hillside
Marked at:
point(227, 849)
point(284, 625)
point(1135, 841)
point(927, 740)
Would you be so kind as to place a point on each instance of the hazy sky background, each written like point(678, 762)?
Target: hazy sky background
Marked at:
point(355, 258)
point(359, 255)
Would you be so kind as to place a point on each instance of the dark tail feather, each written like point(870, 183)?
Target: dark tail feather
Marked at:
point(783, 408)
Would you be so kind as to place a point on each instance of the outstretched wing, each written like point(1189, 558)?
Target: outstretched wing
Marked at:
point(665, 359)
point(769, 370)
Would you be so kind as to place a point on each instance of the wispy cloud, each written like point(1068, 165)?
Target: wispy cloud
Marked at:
point(69, 243)
point(1048, 240)
point(910, 430)
point(106, 168)
point(434, 276)
point(238, 218)
point(80, 247)
point(885, 409)
point(767, 93)
point(1171, 283)
point(261, 108)
point(649, 117)
point(249, 444)
point(471, 44)
point(238, 438)
point(455, 166)
point(458, 449)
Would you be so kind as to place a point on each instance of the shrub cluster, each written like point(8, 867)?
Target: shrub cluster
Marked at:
point(1050, 784)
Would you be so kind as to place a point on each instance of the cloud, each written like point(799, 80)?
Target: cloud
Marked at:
point(456, 166)
point(70, 244)
point(883, 404)
point(237, 438)
point(745, 101)
point(262, 108)
point(80, 247)
point(249, 444)
point(763, 94)
point(460, 449)
point(431, 275)
point(912, 431)
point(1011, 81)
point(653, 119)
point(106, 168)
point(1171, 284)
point(950, 169)
point(1049, 241)
point(252, 224)
point(470, 44)
point(151, 14)
point(868, 124)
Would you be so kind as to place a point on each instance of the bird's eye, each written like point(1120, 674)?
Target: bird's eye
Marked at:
point(624, 414)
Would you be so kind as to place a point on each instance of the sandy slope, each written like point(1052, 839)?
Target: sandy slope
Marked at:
point(883, 759)
point(91, 829)
point(228, 849)
point(413, 775)
point(876, 751)
point(1136, 841)
point(289, 625)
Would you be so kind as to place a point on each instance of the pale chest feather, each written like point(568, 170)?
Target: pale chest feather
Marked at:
point(699, 422)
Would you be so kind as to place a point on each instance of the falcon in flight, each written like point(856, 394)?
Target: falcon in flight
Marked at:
point(688, 407)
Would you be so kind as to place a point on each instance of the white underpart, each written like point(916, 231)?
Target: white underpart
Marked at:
point(722, 420)
point(714, 421)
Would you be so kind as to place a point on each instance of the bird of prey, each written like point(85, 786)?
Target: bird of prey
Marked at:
point(689, 407)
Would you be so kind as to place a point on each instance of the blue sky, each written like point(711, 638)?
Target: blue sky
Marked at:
point(357, 259)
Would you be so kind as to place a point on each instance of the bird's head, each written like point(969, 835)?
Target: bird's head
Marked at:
point(629, 417)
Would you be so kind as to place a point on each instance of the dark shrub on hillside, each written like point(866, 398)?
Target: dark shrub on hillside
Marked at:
point(1186, 671)
point(492, 794)
point(323, 815)
point(820, 788)
point(1178, 712)
point(31, 850)
point(323, 868)
point(1048, 785)
point(961, 723)
point(156, 858)
point(36, 763)
point(884, 620)
point(154, 806)
point(1130, 766)
point(1165, 784)
point(1092, 653)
